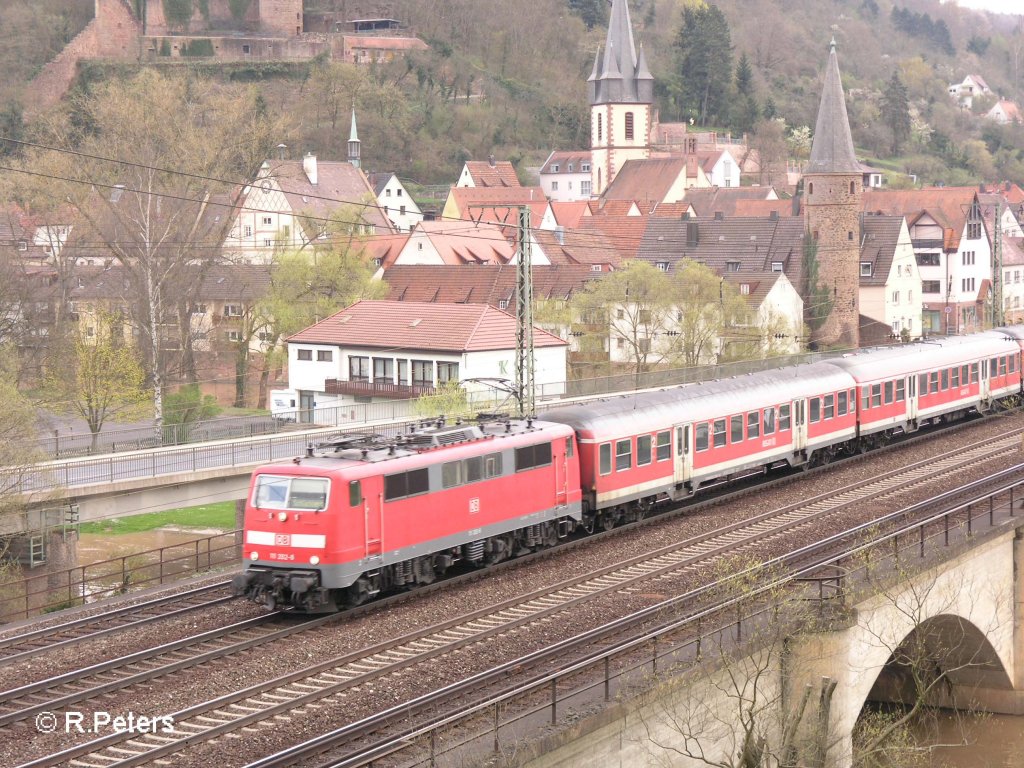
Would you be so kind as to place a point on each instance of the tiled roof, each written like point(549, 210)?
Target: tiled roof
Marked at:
point(1013, 251)
point(379, 180)
point(564, 158)
point(646, 180)
point(481, 285)
point(760, 284)
point(671, 210)
point(832, 146)
point(764, 208)
point(880, 237)
point(464, 242)
point(568, 247)
point(501, 174)
point(949, 206)
point(752, 243)
point(339, 186)
point(607, 207)
point(569, 215)
point(711, 200)
point(423, 326)
point(623, 233)
point(227, 282)
point(374, 42)
point(384, 247)
point(467, 200)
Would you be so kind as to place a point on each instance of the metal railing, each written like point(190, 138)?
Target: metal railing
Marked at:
point(51, 590)
point(62, 445)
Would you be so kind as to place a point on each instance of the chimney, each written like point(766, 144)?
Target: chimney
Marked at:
point(309, 167)
point(773, 215)
point(692, 234)
point(282, 150)
point(719, 215)
point(490, 161)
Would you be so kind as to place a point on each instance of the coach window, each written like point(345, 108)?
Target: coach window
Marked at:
point(736, 429)
point(954, 377)
point(876, 395)
point(965, 375)
point(605, 452)
point(1002, 366)
point(753, 424)
point(933, 382)
point(783, 418)
point(719, 433)
point(841, 404)
point(664, 446)
point(355, 493)
point(769, 421)
point(830, 410)
point(901, 390)
point(888, 392)
point(945, 379)
point(1013, 363)
point(643, 450)
point(922, 384)
point(492, 464)
point(701, 437)
point(865, 397)
point(992, 367)
point(815, 410)
point(974, 373)
point(623, 455)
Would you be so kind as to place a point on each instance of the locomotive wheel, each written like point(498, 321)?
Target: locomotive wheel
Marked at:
point(357, 593)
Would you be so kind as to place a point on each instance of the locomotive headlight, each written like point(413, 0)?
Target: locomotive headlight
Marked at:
point(254, 555)
point(282, 516)
point(314, 560)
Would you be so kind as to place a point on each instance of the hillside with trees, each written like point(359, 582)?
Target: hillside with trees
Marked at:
point(509, 79)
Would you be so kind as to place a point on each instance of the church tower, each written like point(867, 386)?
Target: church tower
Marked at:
point(833, 188)
point(621, 91)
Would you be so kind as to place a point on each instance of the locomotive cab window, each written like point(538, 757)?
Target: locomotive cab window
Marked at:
point(530, 456)
point(300, 493)
point(355, 493)
point(605, 458)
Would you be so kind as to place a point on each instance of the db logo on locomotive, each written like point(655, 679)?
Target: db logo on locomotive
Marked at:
point(282, 540)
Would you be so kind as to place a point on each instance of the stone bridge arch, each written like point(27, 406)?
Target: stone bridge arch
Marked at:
point(968, 609)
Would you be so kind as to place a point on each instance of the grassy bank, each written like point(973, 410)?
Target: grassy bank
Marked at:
point(220, 515)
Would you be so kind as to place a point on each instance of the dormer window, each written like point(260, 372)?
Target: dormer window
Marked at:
point(865, 269)
point(732, 266)
point(745, 289)
point(776, 266)
point(569, 168)
point(585, 167)
point(554, 168)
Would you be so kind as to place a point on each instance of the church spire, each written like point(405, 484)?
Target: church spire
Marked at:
point(354, 145)
point(623, 78)
point(832, 148)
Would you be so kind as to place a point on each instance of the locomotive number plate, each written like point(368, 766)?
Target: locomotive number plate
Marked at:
point(474, 506)
point(282, 540)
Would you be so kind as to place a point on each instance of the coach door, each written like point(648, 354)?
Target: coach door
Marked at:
point(799, 425)
point(911, 398)
point(683, 453)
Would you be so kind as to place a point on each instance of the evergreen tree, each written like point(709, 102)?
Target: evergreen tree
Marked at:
point(896, 111)
point(704, 55)
point(746, 110)
point(594, 13)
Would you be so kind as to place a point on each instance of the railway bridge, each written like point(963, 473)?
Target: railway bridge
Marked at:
point(964, 614)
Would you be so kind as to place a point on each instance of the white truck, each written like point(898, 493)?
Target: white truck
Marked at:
point(284, 404)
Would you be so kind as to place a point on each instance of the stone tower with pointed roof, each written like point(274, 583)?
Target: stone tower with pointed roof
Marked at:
point(833, 186)
point(621, 91)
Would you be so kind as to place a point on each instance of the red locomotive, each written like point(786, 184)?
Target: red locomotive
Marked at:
point(366, 514)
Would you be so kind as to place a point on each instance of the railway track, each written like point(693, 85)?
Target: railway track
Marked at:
point(344, 678)
point(19, 647)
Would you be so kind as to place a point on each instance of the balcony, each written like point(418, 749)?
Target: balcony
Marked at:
point(376, 389)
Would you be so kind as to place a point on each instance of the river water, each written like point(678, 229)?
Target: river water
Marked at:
point(992, 741)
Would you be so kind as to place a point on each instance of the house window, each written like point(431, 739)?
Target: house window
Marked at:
point(401, 210)
point(595, 267)
point(585, 167)
point(423, 373)
point(267, 221)
point(398, 192)
point(554, 168)
point(599, 132)
point(232, 310)
point(22, 245)
point(447, 372)
point(304, 354)
point(732, 266)
point(585, 188)
point(246, 49)
point(865, 269)
point(554, 186)
point(358, 368)
point(974, 230)
point(968, 258)
point(247, 231)
point(234, 335)
point(662, 265)
point(776, 266)
point(324, 355)
point(267, 242)
point(502, 303)
point(197, 309)
point(967, 284)
point(928, 260)
point(931, 286)
point(745, 289)
point(629, 126)
point(384, 369)
point(895, 297)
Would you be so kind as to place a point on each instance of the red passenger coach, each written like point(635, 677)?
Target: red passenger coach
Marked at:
point(364, 514)
point(639, 448)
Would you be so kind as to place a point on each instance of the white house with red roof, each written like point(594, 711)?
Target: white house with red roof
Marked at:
point(565, 176)
point(379, 351)
point(1005, 112)
point(489, 173)
point(452, 243)
point(972, 85)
